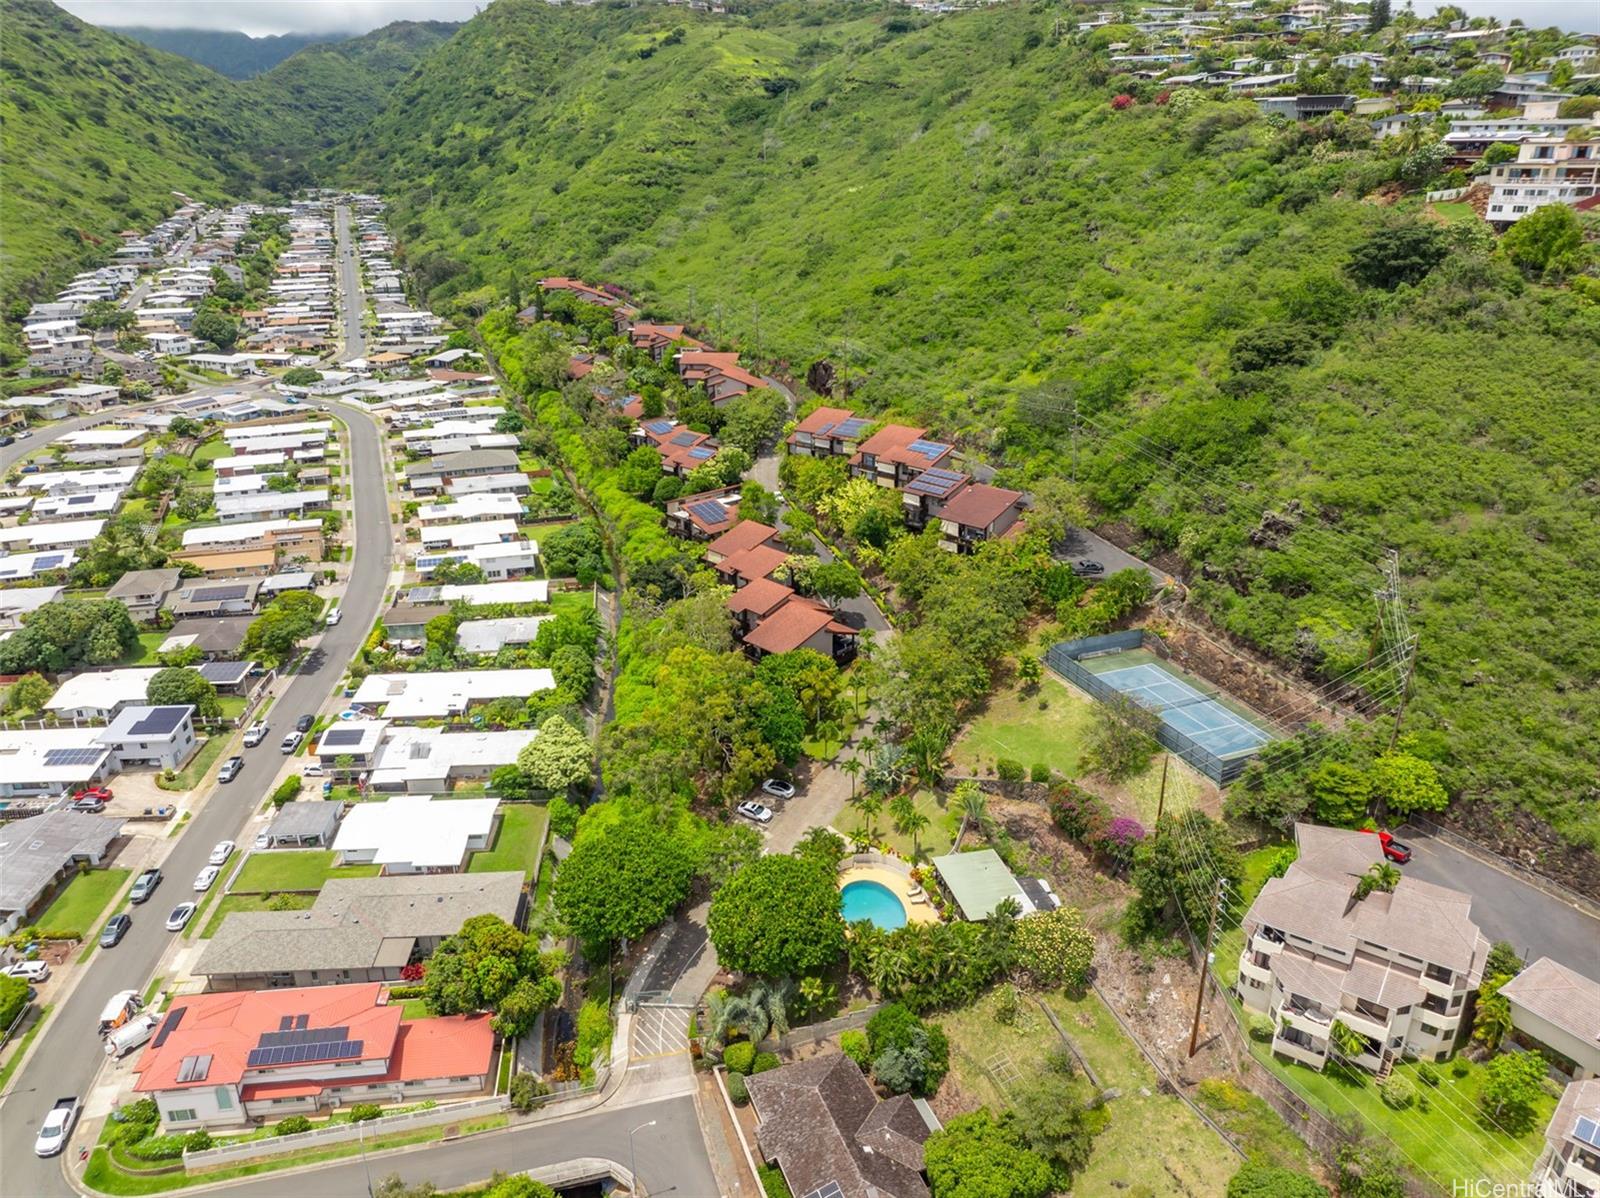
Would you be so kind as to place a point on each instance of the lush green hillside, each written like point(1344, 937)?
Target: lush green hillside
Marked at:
point(334, 88)
point(97, 133)
point(955, 216)
point(226, 51)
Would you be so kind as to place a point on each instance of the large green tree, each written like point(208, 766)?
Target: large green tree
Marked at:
point(182, 685)
point(778, 917)
point(69, 633)
point(558, 758)
point(977, 1156)
point(275, 635)
point(490, 965)
point(622, 878)
point(1257, 1179)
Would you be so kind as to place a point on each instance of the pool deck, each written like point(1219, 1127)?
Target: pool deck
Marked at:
point(897, 884)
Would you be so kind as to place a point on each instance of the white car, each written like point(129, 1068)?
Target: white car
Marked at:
point(57, 1127)
point(255, 735)
point(32, 971)
point(205, 877)
point(778, 788)
point(221, 853)
point(755, 811)
point(263, 840)
point(180, 917)
point(334, 616)
point(290, 742)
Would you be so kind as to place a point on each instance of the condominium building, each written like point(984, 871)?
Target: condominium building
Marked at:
point(1547, 170)
point(1396, 968)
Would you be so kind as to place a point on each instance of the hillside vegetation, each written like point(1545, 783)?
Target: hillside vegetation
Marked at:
point(954, 217)
point(98, 130)
point(226, 51)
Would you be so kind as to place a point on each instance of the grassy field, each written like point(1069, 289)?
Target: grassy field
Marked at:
point(145, 654)
point(517, 844)
point(301, 869)
point(1456, 212)
point(78, 908)
point(934, 840)
point(250, 902)
point(1154, 1145)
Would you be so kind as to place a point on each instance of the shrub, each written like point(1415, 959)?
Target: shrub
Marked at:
point(1081, 815)
point(909, 1056)
point(400, 993)
point(1427, 1074)
point(1459, 1068)
point(143, 1111)
point(765, 1061)
point(524, 1090)
point(363, 1111)
point(853, 1044)
point(1397, 1091)
point(293, 1125)
point(157, 1148)
point(737, 1089)
point(563, 818)
point(1009, 770)
point(1040, 772)
point(772, 1182)
point(739, 1058)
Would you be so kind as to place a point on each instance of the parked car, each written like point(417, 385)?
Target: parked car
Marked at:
point(204, 879)
point(98, 794)
point(144, 885)
point(255, 734)
point(755, 811)
point(130, 1035)
point(57, 1126)
point(221, 853)
point(314, 770)
point(87, 806)
point(263, 840)
point(290, 742)
point(334, 615)
point(1086, 566)
point(778, 788)
point(1392, 848)
point(7, 439)
point(116, 928)
point(180, 917)
point(303, 724)
point(230, 769)
point(33, 971)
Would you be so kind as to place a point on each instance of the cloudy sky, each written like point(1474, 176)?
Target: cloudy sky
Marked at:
point(258, 17)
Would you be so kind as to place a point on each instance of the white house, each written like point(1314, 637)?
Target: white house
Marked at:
point(65, 534)
point(160, 737)
point(99, 695)
point(26, 565)
point(470, 509)
point(430, 760)
point(491, 636)
point(18, 602)
point(469, 535)
point(260, 505)
point(416, 834)
point(441, 695)
point(498, 561)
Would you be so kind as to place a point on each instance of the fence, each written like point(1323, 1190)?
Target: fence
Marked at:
point(1449, 193)
point(344, 1133)
point(1063, 659)
point(797, 1037)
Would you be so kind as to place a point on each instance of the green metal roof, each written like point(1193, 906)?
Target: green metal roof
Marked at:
point(979, 881)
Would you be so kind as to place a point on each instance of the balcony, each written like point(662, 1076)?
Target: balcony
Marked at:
point(1264, 942)
point(1313, 1022)
point(1356, 1021)
point(1254, 967)
point(1437, 988)
point(1299, 1052)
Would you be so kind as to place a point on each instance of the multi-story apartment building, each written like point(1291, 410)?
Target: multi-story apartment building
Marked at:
point(1569, 1166)
point(1397, 968)
point(1547, 170)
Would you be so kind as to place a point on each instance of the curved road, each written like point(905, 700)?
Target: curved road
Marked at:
point(67, 1056)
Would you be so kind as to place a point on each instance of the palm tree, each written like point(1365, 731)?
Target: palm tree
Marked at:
point(974, 806)
point(853, 767)
point(829, 732)
point(908, 821)
point(870, 805)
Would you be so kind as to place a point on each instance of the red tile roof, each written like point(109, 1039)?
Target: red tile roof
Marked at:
point(227, 1027)
point(792, 625)
point(892, 443)
point(754, 563)
point(979, 505)
point(745, 535)
point(761, 596)
point(445, 1046)
point(823, 418)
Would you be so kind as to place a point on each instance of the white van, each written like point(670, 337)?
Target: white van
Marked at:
point(132, 1034)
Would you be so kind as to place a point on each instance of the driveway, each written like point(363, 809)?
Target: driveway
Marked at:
point(1081, 544)
point(1507, 908)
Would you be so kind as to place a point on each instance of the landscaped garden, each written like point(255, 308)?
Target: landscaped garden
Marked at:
point(77, 909)
point(933, 840)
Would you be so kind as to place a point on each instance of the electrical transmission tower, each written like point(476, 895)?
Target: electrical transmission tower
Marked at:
point(1399, 643)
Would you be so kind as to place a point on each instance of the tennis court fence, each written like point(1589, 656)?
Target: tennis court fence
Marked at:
point(1065, 659)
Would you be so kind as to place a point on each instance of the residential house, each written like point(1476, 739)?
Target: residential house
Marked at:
point(87, 397)
point(277, 539)
point(218, 637)
point(978, 513)
point(828, 433)
point(1555, 1011)
point(204, 598)
point(657, 339)
point(40, 851)
point(17, 603)
point(497, 561)
point(15, 566)
point(305, 824)
point(416, 834)
point(432, 760)
point(87, 505)
point(227, 677)
point(1397, 968)
point(437, 473)
point(505, 483)
point(742, 537)
point(488, 637)
point(160, 737)
point(821, 1123)
point(98, 695)
point(221, 1060)
point(266, 505)
point(143, 592)
point(802, 623)
point(37, 538)
point(432, 696)
point(1305, 108)
point(925, 496)
point(1547, 170)
point(1569, 1165)
point(896, 454)
point(357, 930)
point(470, 509)
point(469, 535)
point(705, 515)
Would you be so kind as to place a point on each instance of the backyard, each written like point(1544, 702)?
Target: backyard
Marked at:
point(300, 869)
point(77, 909)
point(934, 840)
point(517, 844)
point(253, 902)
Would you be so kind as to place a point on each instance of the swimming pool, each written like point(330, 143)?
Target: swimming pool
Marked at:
point(875, 902)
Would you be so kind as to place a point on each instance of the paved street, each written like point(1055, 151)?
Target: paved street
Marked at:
point(351, 298)
point(1506, 908)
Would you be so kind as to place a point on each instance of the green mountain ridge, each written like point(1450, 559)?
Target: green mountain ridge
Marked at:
point(952, 214)
point(226, 51)
point(97, 130)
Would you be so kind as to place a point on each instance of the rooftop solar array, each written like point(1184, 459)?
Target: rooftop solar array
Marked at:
point(296, 1032)
point(659, 426)
point(49, 561)
point(928, 449)
point(845, 429)
point(73, 756)
point(702, 452)
point(424, 594)
point(161, 721)
point(221, 593)
point(686, 437)
point(1588, 1131)
point(222, 671)
point(938, 483)
point(828, 1189)
point(297, 1054)
point(168, 1026)
point(709, 511)
point(342, 736)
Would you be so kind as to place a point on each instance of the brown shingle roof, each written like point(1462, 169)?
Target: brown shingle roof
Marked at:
point(823, 418)
point(761, 596)
point(753, 563)
point(1560, 995)
point(745, 535)
point(979, 505)
point(792, 625)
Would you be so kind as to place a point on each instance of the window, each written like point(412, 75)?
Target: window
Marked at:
point(224, 1098)
point(186, 1115)
point(1429, 1030)
point(1515, 208)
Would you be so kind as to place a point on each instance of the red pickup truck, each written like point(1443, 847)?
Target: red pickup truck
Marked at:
point(1392, 848)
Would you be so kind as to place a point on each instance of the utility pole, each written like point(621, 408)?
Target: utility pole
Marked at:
point(1205, 972)
point(1161, 802)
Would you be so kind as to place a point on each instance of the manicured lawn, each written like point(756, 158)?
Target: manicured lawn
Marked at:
point(78, 908)
point(300, 869)
point(579, 600)
point(145, 654)
point(413, 1008)
point(1153, 1145)
point(1455, 212)
point(200, 764)
point(1447, 1142)
point(250, 902)
point(210, 451)
point(517, 845)
point(19, 1046)
point(232, 705)
point(934, 840)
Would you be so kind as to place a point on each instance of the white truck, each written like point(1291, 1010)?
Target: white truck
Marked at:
point(131, 1034)
point(57, 1126)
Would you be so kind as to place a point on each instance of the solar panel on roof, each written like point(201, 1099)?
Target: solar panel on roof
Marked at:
point(828, 1189)
point(160, 722)
point(850, 427)
point(168, 1026)
point(73, 756)
point(659, 426)
point(687, 437)
point(1588, 1131)
point(708, 511)
point(949, 476)
point(701, 452)
point(227, 592)
point(49, 561)
point(928, 449)
point(342, 736)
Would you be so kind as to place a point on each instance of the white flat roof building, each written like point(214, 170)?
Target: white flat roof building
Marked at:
point(434, 696)
point(491, 636)
point(231, 508)
point(100, 694)
point(429, 760)
point(466, 536)
point(481, 594)
point(469, 508)
point(415, 833)
point(242, 532)
point(73, 482)
point(16, 602)
point(496, 561)
point(63, 534)
point(76, 507)
point(26, 565)
point(103, 437)
point(256, 432)
point(44, 760)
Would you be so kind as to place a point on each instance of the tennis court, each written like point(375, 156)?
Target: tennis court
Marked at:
point(1200, 717)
